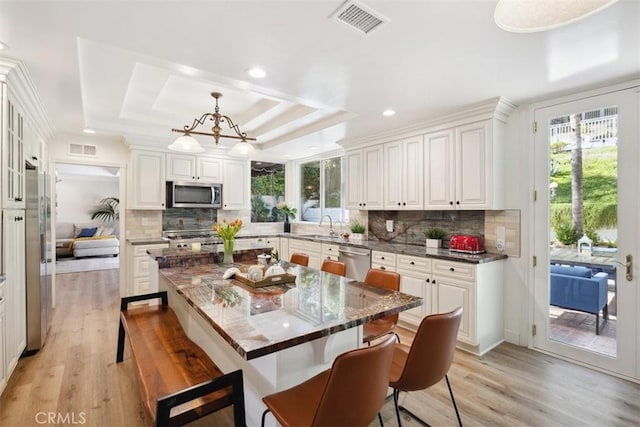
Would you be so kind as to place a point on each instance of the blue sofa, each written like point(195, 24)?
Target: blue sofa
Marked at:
point(575, 288)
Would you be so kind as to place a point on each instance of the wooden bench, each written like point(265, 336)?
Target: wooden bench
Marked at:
point(179, 382)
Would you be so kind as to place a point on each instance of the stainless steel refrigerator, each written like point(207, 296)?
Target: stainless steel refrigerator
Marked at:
point(37, 258)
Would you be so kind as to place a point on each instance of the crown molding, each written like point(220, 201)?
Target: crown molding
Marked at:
point(498, 108)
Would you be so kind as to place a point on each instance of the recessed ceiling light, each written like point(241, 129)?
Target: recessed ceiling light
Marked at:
point(257, 73)
point(388, 113)
point(4, 46)
point(313, 147)
point(90, 131)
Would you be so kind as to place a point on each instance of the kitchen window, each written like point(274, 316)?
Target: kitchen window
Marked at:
point(321, 190)
point(267, 189)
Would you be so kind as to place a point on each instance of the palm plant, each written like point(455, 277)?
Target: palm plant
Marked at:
point(108, 209)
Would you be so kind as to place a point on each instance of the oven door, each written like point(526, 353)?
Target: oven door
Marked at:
point(194, 195)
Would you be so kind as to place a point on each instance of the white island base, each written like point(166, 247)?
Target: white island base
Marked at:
point(266, 374)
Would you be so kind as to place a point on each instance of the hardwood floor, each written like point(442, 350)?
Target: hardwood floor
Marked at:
point(74, 380)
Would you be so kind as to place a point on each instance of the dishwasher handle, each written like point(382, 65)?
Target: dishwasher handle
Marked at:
point(356, 253)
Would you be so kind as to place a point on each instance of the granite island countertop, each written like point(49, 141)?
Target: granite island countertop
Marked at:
point(257, 322)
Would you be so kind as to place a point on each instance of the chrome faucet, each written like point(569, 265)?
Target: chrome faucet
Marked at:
point(332, 232)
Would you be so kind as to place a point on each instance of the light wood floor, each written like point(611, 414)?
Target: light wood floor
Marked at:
point(75, 377)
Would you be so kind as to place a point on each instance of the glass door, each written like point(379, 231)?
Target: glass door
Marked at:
point(586, 228)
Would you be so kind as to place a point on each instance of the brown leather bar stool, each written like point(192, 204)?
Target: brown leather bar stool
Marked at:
point(335, 267)
point(351, 393)
point(300, 259)
point(427, 360)
point(379, 327)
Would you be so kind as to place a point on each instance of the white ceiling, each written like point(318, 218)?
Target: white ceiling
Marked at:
point(137, 69)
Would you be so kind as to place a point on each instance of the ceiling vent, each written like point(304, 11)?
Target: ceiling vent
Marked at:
point(82, 150)
point(359, 17)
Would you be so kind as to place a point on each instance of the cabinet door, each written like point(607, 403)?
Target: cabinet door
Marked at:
point(3, 368)
point(417, 286)
point(209, 170)
point(148, 187)
point(450, 294)
point(412, 181)
point(439, 170)
point(354, 180)
point(372, 178)
point(393, 176)
point(473, 163)
point(15, 287)
point(235, 188)
point(181, 167)
point(13, 157)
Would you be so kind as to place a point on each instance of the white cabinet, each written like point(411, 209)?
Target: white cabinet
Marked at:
point(13, 266)
point(415, 279)
point(365, 178)
point(235, 186)
point(142, 269)
point(284, 249)
point(147, 188)
point(183, 167)
point(403, 182)
point(13, 152)
point(477, 288)
point(3, 368)
point(312, 249)
point(464, 167)
point(330, 251)
point(383, 260)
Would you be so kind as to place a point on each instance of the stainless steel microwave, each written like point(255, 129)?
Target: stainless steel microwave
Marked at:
point(193, 195)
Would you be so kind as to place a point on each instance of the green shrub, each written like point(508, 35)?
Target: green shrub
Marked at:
point(357, 227)
point(566, 233)
point(435, 233)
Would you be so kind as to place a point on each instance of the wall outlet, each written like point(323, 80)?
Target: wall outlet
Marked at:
point(390, 225)
point(145, 220)
point(500, 245)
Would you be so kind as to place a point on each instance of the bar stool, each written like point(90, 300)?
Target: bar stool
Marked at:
point(427, 360)
point(351, 393)
point(335, 267)
point(379, 327)
point(300, 259)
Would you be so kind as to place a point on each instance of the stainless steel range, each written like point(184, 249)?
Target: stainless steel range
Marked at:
point(184, 238)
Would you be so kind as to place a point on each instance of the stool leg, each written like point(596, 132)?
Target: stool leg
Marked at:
point(120, 351)
point(264, 414)
point(446, 377)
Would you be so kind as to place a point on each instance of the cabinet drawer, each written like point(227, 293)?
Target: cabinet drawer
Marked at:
point(141, 250)
point(304, 246)
point(419, 264)
point(383, 258)
point(458, 270)
point(330, 251)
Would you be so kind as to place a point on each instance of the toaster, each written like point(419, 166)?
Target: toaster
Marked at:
point(467, 243)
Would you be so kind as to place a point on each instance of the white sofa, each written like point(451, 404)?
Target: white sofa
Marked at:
point(103, 243)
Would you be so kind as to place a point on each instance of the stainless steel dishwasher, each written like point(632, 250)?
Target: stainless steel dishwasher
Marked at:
point(357, 260)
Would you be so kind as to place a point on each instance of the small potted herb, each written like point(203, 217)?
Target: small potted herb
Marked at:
point(434, 237)
point(357, 230)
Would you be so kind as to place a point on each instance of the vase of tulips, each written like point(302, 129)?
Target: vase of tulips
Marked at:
point(227, 231)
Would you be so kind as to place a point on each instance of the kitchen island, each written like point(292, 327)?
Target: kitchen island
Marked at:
point(278, 335)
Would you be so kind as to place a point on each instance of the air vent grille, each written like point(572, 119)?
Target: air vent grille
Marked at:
point(359, 17)
point(82, 150)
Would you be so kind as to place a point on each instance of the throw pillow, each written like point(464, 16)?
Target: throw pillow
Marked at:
point(88, 232)
point(106, 231)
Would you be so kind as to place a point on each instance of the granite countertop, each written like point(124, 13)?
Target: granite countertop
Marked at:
point(147, 240)
point(256, 322)
point(399, 248)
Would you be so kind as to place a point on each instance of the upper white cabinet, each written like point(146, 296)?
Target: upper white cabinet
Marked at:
point(463, 167)
point(403, 183)
point(235, 186)
point(183, 167)
point(364, 178)
point(13, 153)
point(147, 189)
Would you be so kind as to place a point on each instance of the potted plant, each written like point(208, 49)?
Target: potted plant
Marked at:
point(108, 209)
point(357, 230)
point(434, 237)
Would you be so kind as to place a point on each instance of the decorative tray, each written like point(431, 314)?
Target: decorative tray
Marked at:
point(276, 279)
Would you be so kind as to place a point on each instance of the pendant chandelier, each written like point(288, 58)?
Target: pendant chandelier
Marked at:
point(187, 143)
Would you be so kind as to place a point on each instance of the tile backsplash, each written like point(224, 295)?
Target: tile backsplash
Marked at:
point(188, 218)
point(409, 226)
